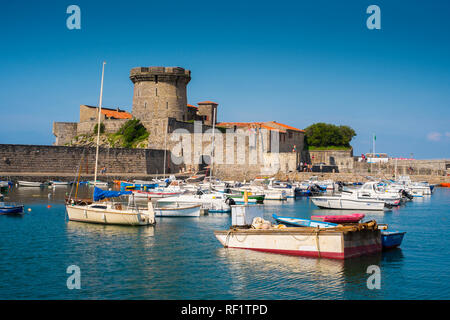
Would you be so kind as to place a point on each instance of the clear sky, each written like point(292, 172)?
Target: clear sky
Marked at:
point(295, 62)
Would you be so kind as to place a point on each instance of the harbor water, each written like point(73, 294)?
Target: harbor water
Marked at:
point(179, 258)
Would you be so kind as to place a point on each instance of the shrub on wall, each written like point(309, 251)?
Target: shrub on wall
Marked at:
point(102, 128)
point(132, 132)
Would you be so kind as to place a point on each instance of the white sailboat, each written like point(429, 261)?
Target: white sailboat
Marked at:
point(109, 212)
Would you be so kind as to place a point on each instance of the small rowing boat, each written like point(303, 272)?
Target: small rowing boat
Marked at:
point(298, 222)
point(10, 208)
point(30, 184)
point(347, 218)
point(59, 183)
point(391, 239)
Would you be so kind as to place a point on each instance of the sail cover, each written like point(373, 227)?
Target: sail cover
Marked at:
point(100, 194)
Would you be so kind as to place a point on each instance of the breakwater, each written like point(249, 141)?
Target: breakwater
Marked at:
point(62, 162)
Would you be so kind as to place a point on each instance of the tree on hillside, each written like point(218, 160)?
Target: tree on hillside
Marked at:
point(328, 135)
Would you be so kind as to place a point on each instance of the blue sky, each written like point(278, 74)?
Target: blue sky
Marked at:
point(295, 62)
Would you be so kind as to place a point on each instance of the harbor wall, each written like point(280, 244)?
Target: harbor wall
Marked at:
point(23, 160)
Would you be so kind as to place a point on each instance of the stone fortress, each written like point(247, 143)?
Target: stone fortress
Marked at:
point(185, 131)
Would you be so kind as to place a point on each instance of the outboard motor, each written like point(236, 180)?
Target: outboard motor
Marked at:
point(407, 194)
point(230, 201)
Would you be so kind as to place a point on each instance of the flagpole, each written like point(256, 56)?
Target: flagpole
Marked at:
point(98, 124)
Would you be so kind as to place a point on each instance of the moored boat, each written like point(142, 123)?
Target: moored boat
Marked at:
point(30, 184)
point(177, 210)
point(391, 239)
point(348, 200)
point(10, 208)
point(298, 222)
point(341, 242)
point(347, 218)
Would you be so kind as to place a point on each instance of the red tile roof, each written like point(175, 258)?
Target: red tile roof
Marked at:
point(271, 125)
point(207, 102)
point(191, 106)
point(116, 114)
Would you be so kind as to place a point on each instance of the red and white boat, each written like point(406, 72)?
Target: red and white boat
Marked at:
point(347, 218)
point(341, 242)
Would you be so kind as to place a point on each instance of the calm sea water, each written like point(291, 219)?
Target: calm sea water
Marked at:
point(180, 258)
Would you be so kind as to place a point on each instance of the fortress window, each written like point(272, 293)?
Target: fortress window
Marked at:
point(156, 91)
point(290, 135)
point(145, 104)
point(167, 105)
point(156, 79)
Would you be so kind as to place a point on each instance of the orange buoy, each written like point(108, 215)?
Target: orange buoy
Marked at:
point(49, 206)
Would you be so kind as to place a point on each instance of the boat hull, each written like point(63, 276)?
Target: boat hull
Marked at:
point(304, 242)
point(189, 211)
point(86, 214)
point(30, 184)
point(347, 204)
point(390, 240)
point(11, 210)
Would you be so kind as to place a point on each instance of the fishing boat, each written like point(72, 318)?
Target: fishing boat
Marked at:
point(30, 184)
point(445, 184)
point(178, 210)
point(10, 208)
point(348, 218)
point(348, 200)
point(391, 239)
point(298, 222)
point(341, 242)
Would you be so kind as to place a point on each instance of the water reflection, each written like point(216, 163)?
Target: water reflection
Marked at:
point(282, 276)
point(87, 230)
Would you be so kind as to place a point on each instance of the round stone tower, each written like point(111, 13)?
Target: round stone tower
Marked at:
point(160, 93)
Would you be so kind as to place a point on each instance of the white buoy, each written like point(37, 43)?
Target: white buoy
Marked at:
point(29, 209)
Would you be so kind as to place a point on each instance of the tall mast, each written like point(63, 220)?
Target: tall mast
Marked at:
point(165, 150)
point(98, 124)
point(212, 149)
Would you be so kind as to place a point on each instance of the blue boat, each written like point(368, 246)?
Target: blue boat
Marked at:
point(391, 239)
point(10, 208)
point(297, 222)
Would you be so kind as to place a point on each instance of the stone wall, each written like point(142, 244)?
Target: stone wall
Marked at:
point(111, 126)
point(64, 132)
point(60, 159)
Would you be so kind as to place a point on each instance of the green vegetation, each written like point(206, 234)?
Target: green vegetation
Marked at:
point(102, 128)
point(324, 136)
point(130, 134)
